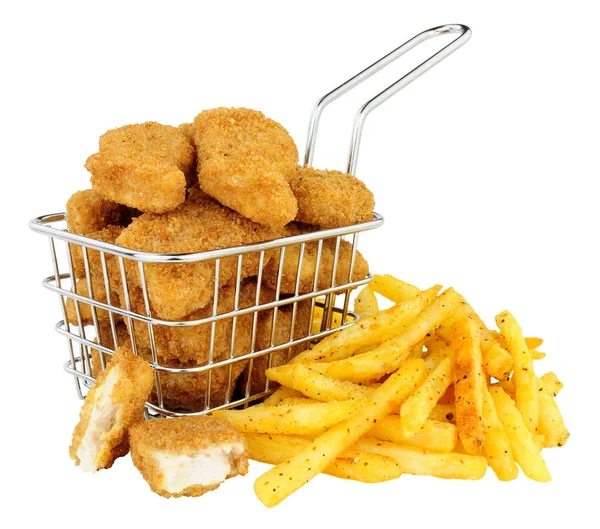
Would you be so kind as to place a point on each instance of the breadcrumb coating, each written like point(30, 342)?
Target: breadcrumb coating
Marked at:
point(128, 395)
point(88, 212)
point(330, 199)
point(108, 234)
point(200, 224)
point(184, 436)
point(145, 166)
point(244, 161)
point(309, 263)
point(85, 309)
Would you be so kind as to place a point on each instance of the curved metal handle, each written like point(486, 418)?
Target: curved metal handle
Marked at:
point(464, 35)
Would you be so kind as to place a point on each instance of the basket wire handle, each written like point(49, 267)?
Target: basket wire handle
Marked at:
point(464, 35)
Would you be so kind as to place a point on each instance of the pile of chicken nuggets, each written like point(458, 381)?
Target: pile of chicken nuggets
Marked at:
point(229, 178)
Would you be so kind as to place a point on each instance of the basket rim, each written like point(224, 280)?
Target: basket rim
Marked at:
point(43, 225)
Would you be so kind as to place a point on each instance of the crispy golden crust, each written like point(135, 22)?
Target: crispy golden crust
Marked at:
point(281, 335)
point(107, 234)
point(177, 290)
point(308, 269)
point(330, 199)
point(244, 161)
point(129, 394)
point(87, 212)
point(144, 166)
point(183, 436)
point(85, 309)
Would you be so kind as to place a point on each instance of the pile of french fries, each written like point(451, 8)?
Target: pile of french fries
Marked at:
point(423, 387)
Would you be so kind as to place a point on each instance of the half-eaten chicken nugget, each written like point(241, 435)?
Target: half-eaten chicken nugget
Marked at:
point(115, 402)
point(187, 456)
point(147, 166)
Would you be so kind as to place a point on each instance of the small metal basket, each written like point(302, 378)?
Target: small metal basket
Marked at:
point(235, 343)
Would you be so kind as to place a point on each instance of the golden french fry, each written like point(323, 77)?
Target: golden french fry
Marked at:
point(433, 359)
point(294, 419)
point(508, 386)
point(365, 304)
point(551, 383)
point(522, 445)
point(533, 342)
point(434, 436)
point(359, 466)
point(291, 401)
point(367, 332)
point(537, 355)
point(496, 443)
point(394, 289)
point(316, 386)
point(443, 413)
point(281, 481)
point(279, 395)
point(468, 385)
point(416, 409)
point(419, 462)
point(526, 390)
point(551, 424)
point(390, 354)
point(540, 441)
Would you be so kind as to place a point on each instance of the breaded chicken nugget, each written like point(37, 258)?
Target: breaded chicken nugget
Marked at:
point(201, 223)
point(244, 160)
point(114, 403)
point(330, 199)
point(88, 212)
point(108, 234)
point(144, 166)
point(309, 263)
point(187, 456)
point(85, 309)
point(282, 334)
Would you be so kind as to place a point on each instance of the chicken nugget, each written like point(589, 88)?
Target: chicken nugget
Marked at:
point(200, 224)
point(85, 309)
point(187, 456)
point(114, 403)
point(308, 269)
point(330, 199)
point(145, 166)
point(87, 212)
point(244, 160)
point(108, 234)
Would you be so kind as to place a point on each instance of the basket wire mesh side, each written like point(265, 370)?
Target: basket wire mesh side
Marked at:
point(106, 299)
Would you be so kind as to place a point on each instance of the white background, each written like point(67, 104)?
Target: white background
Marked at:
point(486, 170)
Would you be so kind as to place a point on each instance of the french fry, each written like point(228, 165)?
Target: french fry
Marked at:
point(390, 354)
point(496, 443)
point(443, 413)
point(295, 419)
point(533, 342)
point(416, 409)
point(551, 424)
point(434, 436)
point(551, 383)
point(418, 462)
point(367, 332)
point(281, 481)
point(537, 355)
point(316, 386)
point(540, 441)
point(522, 445)
point(508, 386)
point(292, 401)
point(279, 395)
point(468, 385)
point(358, 466)
point(365, 304)
point(433, 359)
point(526, 390)
point(394, 289)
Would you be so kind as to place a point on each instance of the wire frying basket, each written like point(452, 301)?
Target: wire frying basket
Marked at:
point(216, 357)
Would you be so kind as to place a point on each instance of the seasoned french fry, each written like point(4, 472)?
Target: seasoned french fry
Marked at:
point(370, 331)
point(281, 394)
point(316, 386)
point(443, 412)
point(551, 424)
point(418, 462)
point(390, 354)
point(416, 409)
point(533, 342)
point(433, 359)
point(496, 443)
point(281, 481)
point(526, 390)
point(468, 385)
point(359, 466)
point(434, 436)
point(291, 401)
point(508, 386)
point(365, 304)
point(537, 355)
point(394, 289)
point(295, 419)
point(540, 441)
point(522, 445)
point(551, 383)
